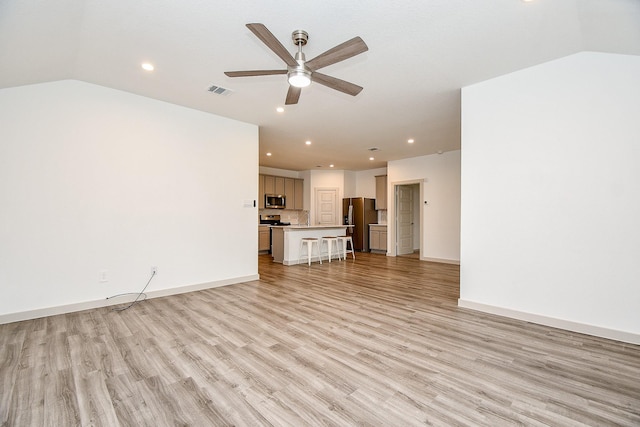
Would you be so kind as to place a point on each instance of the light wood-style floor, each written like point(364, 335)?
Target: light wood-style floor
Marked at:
point(378, 342)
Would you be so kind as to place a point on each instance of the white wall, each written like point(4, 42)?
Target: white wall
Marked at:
point(95, 179)
point(440, 177)
point(366, 182)
point(550, 190)
point(350, 184)
point(280, 172)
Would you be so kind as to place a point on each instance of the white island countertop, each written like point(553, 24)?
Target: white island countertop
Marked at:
point(309, 227)
point(286, 240)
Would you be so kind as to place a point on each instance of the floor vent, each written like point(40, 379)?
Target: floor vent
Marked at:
point(220, 90)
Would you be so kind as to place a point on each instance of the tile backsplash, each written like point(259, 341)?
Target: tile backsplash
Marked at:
point(294, 217)
point(300, 217)
point(382, 217)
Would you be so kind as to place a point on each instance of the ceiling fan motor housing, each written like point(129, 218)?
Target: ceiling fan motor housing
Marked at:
point(300, 37)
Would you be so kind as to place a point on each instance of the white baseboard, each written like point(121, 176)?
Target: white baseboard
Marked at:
point(568, 325)
point(442, 260)
point(87, 305)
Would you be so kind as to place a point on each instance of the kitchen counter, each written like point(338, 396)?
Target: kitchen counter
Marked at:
point(286, 240)
point(310, 227)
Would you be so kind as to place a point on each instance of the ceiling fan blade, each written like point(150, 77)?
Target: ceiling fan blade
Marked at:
point(293, 94)
point(337, 84)
point(343, 51)
point(272, 43)
point(254, 73)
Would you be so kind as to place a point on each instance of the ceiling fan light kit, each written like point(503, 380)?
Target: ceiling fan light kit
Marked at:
point(300, 72)
point(299, 78)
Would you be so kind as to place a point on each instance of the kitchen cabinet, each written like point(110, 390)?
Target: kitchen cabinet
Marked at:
point(264, 243)
point(299, 194)
point(294, 193)
point(289, 192)
point(279, 185)
point(378, 238)
point(381, 192)
point(291, 188)
point(269, 185)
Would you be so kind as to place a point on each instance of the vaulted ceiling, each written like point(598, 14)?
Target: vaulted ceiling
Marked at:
point(421, 52)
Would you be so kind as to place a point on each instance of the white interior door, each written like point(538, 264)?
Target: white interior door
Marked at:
point(404, 215)
point(326, 206)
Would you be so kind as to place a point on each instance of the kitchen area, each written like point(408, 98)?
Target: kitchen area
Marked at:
point(283, 220)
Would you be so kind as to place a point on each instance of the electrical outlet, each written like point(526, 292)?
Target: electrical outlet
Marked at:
point(154, 269)
point(103, 276)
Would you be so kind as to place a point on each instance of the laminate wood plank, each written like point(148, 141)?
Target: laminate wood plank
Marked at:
point(165, 409)
point(237, 410)
point(10, 348)
point(132, 351)
point(94, 400)
point(377, 341)
point(61, 403)
point(26, 407)
point(130, 407)
point(197, 401)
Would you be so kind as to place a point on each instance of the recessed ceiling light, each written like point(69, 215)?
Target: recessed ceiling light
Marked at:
point(268, 154)
point(330, 166)
point(280, 110)
point(410, 141)
point(308, 142)
point(371, 158)
point(147, 66)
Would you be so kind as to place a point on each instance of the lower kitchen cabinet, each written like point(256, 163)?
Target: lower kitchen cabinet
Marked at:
point(378, 238)
point(264, 243)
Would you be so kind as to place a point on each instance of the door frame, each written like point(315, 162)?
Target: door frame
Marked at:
point(392, 240)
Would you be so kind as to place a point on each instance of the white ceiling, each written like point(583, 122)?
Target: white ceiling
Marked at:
point(421, 52)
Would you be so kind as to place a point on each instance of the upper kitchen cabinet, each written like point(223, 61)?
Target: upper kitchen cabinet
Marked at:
point(291, 188)
point(381, 192)
point(279, 181)
point(269, 185)
point(294, 192)
point(299, 194)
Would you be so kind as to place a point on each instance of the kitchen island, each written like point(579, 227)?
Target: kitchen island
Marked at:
point(286, 240)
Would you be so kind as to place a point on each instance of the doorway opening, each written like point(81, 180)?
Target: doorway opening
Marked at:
point(408, 220)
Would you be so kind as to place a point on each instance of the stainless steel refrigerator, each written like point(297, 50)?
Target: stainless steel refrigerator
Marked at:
point(359, 212)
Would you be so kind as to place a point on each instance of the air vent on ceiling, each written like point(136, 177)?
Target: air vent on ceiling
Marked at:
point(220, 90)
point(372, 149)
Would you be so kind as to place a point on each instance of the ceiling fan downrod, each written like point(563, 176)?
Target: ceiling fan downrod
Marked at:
point(299, 76)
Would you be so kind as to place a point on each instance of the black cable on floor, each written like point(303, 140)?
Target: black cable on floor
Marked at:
point(137, 300)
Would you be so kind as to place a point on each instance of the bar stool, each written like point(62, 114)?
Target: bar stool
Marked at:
point(310, 241)
point(331, 240)
point(343, 240)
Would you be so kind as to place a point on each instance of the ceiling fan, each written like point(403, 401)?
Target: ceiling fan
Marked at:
point(300, 72)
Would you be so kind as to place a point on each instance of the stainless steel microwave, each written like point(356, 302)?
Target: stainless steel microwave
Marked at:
point(274, 201)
